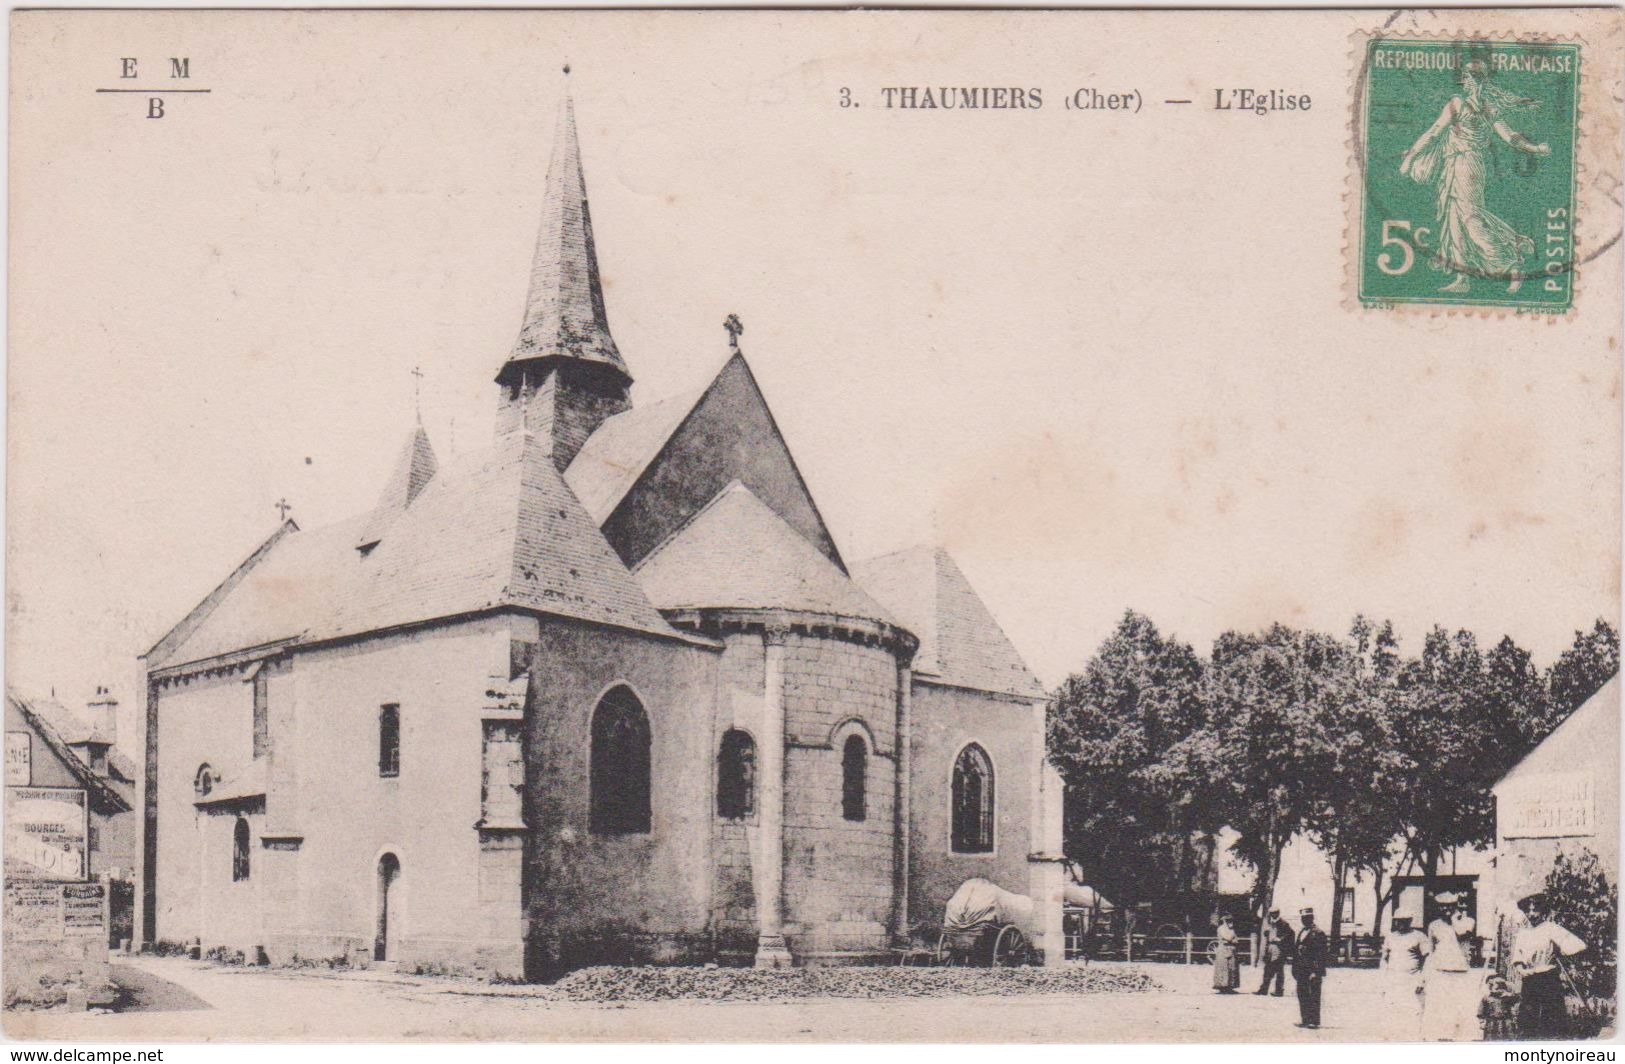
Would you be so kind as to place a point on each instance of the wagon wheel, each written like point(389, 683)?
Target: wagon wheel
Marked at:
point(1213, 952)
point(1010, 948)
point(944, 956)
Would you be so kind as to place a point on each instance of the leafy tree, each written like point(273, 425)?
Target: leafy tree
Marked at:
point(1355, 826)
point(1586, 903)
point(1270, 742)
point(1130, 807)
point(1519, 695)
point(1581, 670)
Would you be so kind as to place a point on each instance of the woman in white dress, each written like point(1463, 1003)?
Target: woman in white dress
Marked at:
point(1450, 993)
point(1451, 155)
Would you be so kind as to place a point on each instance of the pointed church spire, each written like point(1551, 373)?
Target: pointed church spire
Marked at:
point(415, 467)
point(564, 311)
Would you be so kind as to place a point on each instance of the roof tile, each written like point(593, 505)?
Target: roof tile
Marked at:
point(960, 641)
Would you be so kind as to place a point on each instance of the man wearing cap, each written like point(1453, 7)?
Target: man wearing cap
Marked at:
point(1277, 952)
point(1537, 954)
point(1309, 969)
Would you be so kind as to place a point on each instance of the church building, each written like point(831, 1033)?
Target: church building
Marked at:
point(606, 690)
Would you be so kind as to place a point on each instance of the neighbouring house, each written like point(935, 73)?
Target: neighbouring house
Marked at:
point(605, 690)
point(71, 840)
point(1563, 797)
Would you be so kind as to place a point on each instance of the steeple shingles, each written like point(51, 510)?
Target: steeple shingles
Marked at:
point(564, 311)
point(413, 471)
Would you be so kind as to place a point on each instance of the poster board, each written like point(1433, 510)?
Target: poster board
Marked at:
point(47, 831)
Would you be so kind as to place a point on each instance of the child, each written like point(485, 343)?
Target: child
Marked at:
point(1498, 1010)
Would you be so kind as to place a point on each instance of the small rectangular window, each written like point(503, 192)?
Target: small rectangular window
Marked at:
point(389, 740)
point(262, 714)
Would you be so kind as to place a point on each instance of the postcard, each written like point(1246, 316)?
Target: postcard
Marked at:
point(813, 525)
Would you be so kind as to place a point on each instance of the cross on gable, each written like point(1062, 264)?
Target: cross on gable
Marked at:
point(734, 327)
point(283, 506)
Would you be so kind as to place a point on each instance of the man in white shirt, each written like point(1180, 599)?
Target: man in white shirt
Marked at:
point(1536, 955)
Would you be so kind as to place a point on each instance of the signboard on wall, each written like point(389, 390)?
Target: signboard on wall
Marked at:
point(47, 829)
point(1548, 807)
point(84, 910)
point(19, 759)
point(33, 911)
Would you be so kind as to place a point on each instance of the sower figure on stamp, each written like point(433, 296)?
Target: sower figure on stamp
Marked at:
point(1309, 969)
point(1278, 942)
point(1451, 155)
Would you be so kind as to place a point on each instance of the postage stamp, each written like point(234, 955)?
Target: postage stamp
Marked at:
point(1467, 186)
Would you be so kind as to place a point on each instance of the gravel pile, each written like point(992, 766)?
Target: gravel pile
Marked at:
point(748, 984)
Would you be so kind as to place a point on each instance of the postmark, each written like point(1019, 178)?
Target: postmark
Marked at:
point(1467, 150)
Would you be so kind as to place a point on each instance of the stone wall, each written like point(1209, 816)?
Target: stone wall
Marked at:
point(944, 720)
point(313, 894)
point(202, 720)
point(55, 942)
point(641, 898)
point(735, 843)
point(838, 879)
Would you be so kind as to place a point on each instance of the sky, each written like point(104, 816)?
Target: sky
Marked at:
point(1106, 360)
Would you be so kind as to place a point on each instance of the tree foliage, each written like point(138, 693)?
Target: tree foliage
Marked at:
point(1383, 761)
point(1113, 735)
point(1586, 903)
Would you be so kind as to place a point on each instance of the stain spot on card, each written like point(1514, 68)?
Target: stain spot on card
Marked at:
point(1381, 530)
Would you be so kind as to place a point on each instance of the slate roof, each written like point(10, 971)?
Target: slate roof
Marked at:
point(498, 528)
point(415, 467)
point(42, 714)
point(240, 784)
point(564, 309)
point(279, 598)
point(737, 553)
point(617, 453)
point(960, 641)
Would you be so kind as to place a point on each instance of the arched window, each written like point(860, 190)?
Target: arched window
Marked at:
point(736, 775)
point(620, 766)
point(239, 851)
point(854, 778)
point(203, 782)
point(973, 801)
point(389, 740)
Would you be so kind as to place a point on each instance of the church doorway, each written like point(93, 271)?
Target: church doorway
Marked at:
point(389, 883)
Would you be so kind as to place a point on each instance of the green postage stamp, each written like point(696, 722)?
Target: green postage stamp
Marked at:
point(1466, 150)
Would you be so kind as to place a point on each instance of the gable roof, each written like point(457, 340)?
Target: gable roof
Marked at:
point(1596, 717)
point(41, 715)
point(657, 467)
point(498, 528)
point(275, 600)
point(960, 641)
point(165, 647)
point(618, 451)
point(737, 553)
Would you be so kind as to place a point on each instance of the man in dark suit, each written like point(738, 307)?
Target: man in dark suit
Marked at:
point(1278, 942)
point(1309, 969)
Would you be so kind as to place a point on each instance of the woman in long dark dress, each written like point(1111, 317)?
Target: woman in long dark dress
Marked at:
point(1226, 965)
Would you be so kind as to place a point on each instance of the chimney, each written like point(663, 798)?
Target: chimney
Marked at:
point(101, 713)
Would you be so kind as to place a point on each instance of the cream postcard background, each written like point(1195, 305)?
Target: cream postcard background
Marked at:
point(1103, 357)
